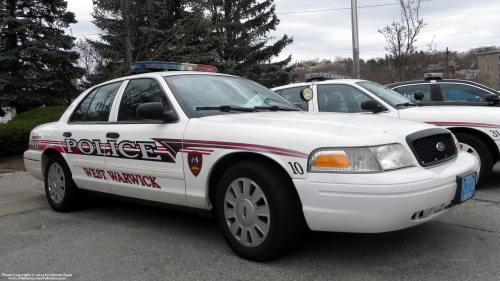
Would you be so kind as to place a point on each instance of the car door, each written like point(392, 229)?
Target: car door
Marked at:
point(462, 94)
point(144, 161)
point(83, 137)
point(431, 96)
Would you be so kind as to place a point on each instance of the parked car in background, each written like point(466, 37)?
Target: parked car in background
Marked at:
point(477, 129)
point(227, 147)
point(438, 91)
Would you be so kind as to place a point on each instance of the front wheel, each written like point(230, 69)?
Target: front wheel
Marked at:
point(62, 193)
point(258, 210)
point(480, 150)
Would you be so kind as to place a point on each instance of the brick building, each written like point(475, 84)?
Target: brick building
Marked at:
point(489, 68)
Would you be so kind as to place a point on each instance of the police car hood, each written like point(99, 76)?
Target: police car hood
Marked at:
point(303, 129)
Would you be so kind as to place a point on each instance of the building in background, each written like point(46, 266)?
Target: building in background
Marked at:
point(489, 68)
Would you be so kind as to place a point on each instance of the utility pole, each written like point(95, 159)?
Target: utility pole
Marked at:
point(355, 41)
point(447, 66)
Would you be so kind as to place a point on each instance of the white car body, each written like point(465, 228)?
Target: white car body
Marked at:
point(372, 202)
point(480, 122)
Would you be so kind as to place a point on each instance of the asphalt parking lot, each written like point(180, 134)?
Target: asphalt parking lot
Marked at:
point(113, 240)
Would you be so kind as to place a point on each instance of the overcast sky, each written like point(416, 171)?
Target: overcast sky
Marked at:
point(457, 24)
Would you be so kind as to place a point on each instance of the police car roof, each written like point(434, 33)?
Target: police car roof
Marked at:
point(306, 84)
point(404, 83)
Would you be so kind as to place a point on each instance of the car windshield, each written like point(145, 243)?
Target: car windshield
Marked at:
point(389, 96)
point(194, 92)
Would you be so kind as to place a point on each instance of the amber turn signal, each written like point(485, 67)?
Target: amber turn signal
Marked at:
point(332, 160)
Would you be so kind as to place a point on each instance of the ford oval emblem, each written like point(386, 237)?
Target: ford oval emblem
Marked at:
point(440, 146)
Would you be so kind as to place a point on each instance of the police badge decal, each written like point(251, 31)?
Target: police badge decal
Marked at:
point(195, 160)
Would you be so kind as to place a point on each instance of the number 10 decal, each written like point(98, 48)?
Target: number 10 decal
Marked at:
point(296, 168)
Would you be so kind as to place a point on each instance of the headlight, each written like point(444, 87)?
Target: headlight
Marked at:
point(360, 160)
point(392, 156)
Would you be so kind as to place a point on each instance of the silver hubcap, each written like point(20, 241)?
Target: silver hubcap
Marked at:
point(247, 212)
point(469, 149)
point(56, 183)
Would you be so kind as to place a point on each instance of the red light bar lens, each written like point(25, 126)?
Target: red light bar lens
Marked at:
point(207, 68)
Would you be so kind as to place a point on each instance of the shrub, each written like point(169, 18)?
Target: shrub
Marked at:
point(14, 135)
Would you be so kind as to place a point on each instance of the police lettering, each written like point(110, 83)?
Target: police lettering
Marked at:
point(143, 150)
point(123, 177)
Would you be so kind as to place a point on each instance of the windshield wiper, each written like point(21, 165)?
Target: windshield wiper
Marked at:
point(225, 108)
point(275, 108)
point(405, 104)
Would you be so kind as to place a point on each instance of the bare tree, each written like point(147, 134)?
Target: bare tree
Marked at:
point(401, 36)
point(90, 59)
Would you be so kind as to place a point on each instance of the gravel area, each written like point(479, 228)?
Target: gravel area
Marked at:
point(11, 164)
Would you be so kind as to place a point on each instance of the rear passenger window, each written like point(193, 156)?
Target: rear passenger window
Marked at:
point(101, 104)
point(140, 91)
point(340, 98)
point(293, 96)
point(83, 107)
point(409, 91)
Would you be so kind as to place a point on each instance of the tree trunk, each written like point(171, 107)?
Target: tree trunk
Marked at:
point(127, 27)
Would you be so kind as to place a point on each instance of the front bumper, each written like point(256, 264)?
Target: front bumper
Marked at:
point(380, 202)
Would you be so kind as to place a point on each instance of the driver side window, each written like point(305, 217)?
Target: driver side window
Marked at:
point(140, 91)
point(340, 98)
point(462, 93)
point(293, 96)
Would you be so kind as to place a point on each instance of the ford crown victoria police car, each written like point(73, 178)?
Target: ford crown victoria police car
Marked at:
point(477, 130)
point(437, 91)
point(210, 142)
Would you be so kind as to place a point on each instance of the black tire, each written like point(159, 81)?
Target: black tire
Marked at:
point(485, 155)
point(61, 191)
point(286, 221)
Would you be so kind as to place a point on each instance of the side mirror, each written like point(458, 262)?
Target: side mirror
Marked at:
point(492, 98)
point(419, 95)
point(155, 111)
point(372, 105)
point(306, 94)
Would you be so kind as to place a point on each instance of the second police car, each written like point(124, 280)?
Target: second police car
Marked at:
point(225, 146)
point(447, 92)
point(476, 128)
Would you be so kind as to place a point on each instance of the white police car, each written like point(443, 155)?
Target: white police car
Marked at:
point(447, 92)
point(224, 145)
point(476, 128)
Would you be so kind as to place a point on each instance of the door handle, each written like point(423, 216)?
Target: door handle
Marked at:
point(67, 134)
point(112, 135)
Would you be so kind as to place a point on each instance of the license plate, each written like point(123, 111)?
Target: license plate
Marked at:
point(466, 187)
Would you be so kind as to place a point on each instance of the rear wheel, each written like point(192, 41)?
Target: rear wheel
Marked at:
point(62, 193)
point(478, 149)
point(258, 211)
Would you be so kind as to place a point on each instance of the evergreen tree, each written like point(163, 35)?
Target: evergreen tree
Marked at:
point(36, 62)
point(143, 30)
point(240, 29)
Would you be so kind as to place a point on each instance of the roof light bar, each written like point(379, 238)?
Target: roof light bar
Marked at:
point(156, 65)
point(163, 65)
point(433, 76)
point(322, 76)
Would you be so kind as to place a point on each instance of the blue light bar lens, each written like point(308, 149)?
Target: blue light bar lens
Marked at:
point(156, 65)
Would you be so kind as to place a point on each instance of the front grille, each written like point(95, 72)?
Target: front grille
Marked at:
point(428, 154)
